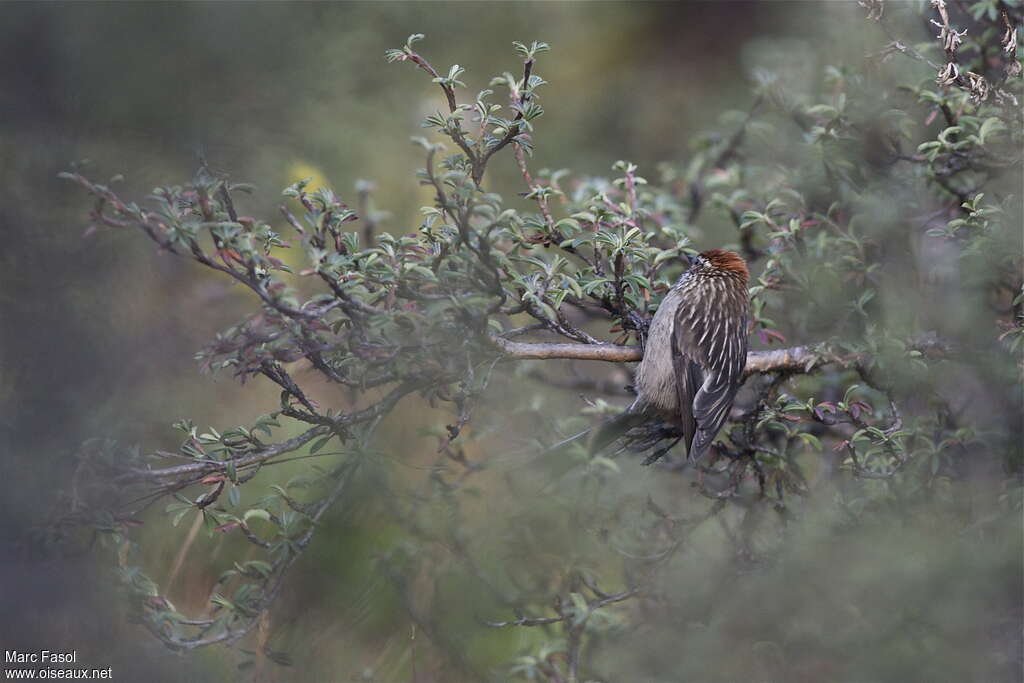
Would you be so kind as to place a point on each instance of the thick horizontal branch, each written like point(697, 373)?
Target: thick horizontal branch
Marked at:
point(613, 353)
point(793, 359)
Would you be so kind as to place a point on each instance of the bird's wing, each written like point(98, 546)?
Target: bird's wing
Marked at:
point(709, 352)
point(688, 380)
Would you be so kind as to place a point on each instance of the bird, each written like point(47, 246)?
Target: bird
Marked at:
point(694, 358)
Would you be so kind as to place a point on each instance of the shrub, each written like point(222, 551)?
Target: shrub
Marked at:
point(881, 219)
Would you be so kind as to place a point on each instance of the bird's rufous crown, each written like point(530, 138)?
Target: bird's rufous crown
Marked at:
point(728, 261)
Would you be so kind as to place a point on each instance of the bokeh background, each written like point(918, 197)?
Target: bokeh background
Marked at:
point(98, 332)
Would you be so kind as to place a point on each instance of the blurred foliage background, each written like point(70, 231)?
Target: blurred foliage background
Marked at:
point(99, 333)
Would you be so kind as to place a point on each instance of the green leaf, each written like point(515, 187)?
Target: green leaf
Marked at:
point(256, 513)
point(580, 608)
point(989, 127)
point(320, 444)
point(811, 440)
point(179, 516)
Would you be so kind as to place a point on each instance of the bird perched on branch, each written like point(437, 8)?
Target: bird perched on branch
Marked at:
point(693, 362)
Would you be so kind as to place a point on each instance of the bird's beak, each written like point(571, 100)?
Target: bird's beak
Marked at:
point(689, 259)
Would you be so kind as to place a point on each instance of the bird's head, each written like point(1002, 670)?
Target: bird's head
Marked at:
point(718, 262)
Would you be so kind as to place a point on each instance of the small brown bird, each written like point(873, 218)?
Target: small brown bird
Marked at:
point(694, 356)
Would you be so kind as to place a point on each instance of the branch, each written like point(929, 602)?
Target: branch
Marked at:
point(612, 353)
point(271, 586)
point(793, 359)
point(514, 129)
point(207, 466)
point(453, 106)
point(183, 472)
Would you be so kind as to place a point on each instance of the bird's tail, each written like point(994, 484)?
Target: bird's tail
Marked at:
point(614, 429)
